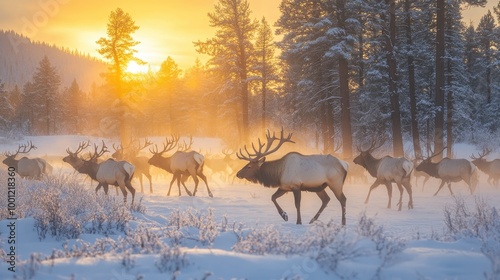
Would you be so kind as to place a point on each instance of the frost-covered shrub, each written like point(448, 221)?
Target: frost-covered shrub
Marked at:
point(141, 240)
point(482, 221)
point(267, 240)
point(172, 259)
point(195, 224)
point(62, 207)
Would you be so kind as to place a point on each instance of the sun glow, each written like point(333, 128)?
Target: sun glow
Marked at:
point(135, 68)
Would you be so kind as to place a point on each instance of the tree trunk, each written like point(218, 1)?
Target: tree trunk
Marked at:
point(411, 80)
point(449, 114)
point(440, 78)
point(345, 108)
point(397, 137)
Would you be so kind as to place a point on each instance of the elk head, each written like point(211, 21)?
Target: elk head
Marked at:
point(480, 160)
point(91, 164)
point(10, 159)
point(258, 157)
point(157, 159)
point(133, 151)
point(365, 155)
point(427, 165)
point(72, 158)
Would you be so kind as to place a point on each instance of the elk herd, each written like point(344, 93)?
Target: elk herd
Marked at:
point(293, 172)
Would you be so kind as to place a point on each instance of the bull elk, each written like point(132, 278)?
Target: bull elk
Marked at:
point(108, 172)
point(387, 170)
point(131, 153)
point(296, 173)
point(33, 168)
point(181, 164)
point(450, 170)
point(490, 168)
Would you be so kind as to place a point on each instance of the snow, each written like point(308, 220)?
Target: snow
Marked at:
point(425, 251)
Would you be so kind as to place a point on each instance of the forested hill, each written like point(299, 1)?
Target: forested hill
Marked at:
point(19, 57)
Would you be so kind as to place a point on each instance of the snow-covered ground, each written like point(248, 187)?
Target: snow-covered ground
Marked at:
point(238, 233)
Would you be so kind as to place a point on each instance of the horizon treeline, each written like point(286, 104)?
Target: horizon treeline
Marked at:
point(342, 72)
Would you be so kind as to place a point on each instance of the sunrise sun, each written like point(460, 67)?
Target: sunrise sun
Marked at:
point(135, 68)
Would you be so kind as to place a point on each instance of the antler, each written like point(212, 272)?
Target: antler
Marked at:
point(146, 144)
point(25, 149)
point(436, 154)
point(373, 144)
point(81, 146)
point(184, 147)
point(97, 154)
point(258, 153)
point(171, 143)
point(485, 152)
point(227, 152)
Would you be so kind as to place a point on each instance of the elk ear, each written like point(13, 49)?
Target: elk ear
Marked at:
point(261, 161)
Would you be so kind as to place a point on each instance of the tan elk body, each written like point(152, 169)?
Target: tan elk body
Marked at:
point(450, 170)
point(108, 172)
point(31, 168)
point(387, 170)
point(142, 166)
point(181, 164)
point(296, 173)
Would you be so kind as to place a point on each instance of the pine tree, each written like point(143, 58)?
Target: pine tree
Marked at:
point(266, 67)
point(231, 52)
point(46, 83)
point(74, 100)
point(118, 48)
point(6, 109)
point(168, 79)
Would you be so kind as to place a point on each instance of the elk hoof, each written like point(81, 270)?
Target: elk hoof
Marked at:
point(210, 194)
point(284, 215)
point(189, 193)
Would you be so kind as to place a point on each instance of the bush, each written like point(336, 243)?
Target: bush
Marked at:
point(63, 208)
point(481, 221)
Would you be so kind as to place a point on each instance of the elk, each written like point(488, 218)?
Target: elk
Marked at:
point(219, 165)
point(108, 172)
point(387, 170)
point(27, 168)
point(130, 153)
point(420, 174)
point(181, 164)
point(296, 173)
point(491, 168)
point(450, 170)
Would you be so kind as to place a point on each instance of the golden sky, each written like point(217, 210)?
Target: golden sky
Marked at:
point(167, 27)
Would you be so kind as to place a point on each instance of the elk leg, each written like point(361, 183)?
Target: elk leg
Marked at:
point(440, 186)
point(131, 189)
point(342, 199)
point(178, 177)
point(408, 188)
point(124, 192)
point(297, 196)
point(275, 196)
point(324, 201)
point(374, 185)
point(196, 182)
point(150, 182)
point(171, 183)
point(204, 178)
point(400, 203)
point(140, 181)
point(449, 187)
point(184, 179)
point(389, 193)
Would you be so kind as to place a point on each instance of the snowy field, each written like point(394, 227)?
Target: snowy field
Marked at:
point(238, 233)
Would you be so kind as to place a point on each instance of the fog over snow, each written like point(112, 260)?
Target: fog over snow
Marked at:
point(238, 233)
